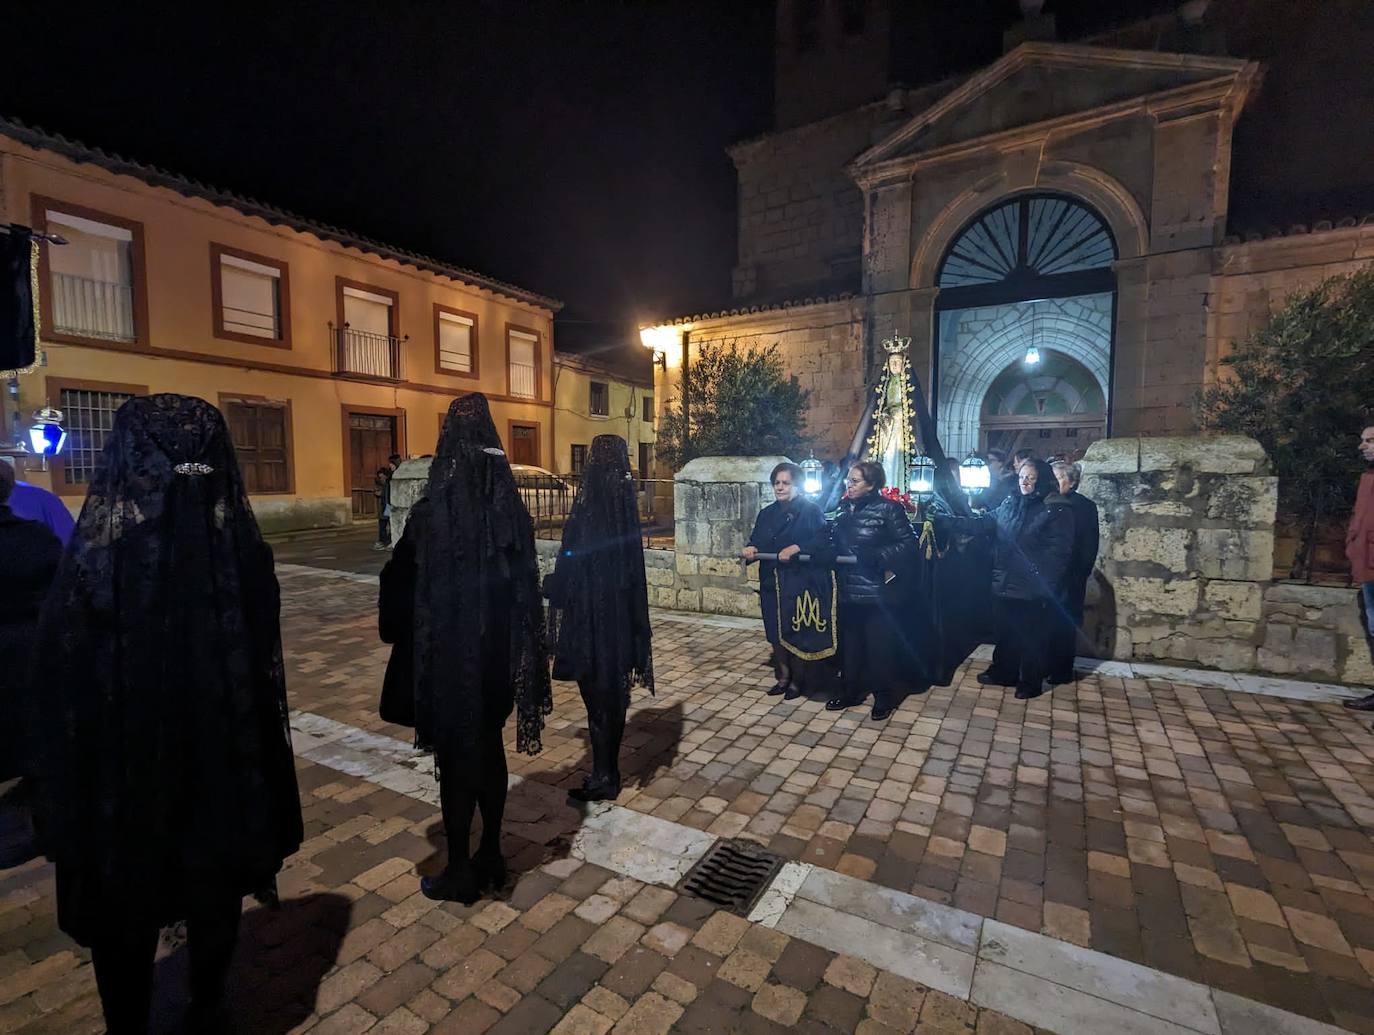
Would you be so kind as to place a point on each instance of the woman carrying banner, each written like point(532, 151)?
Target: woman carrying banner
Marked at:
point(875, 653)
point(781, 528)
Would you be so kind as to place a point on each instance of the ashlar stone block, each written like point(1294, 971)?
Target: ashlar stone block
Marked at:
point(1218, 454)
point(1163, 546)
point(1143, 595)
point(1242, 601)
point(1245, 502)
point(1233, 553)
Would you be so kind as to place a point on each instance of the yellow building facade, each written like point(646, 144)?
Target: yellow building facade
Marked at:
point(593, 399)
point(326, 352)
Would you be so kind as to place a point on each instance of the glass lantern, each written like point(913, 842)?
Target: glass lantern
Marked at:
point(47, 436)
point(974, 475)
point(811, 475)
point(921, 477)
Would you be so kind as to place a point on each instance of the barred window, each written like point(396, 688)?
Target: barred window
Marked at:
point(579, 459)
point(88, 417)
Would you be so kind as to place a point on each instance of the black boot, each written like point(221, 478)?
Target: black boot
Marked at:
point(490, 868)
point(458, 883)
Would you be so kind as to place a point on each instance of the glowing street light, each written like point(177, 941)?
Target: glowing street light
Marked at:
point(811, 475)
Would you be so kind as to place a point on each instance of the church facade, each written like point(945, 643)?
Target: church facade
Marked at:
point(1057, 233)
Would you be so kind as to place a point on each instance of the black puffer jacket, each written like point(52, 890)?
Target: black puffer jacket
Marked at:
point(1034, 541)
point(878, 532)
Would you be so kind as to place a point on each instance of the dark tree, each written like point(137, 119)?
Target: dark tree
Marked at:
point(1301, 386)
point(740, 404)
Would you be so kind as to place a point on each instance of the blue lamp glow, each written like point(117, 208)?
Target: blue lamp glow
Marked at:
point(47, 436)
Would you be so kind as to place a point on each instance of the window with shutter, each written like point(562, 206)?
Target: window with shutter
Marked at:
point(91, 278)
point(250, 296)
point(456, 333)
point(523, 349)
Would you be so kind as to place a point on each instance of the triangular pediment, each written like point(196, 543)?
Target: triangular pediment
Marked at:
point(1046, 82)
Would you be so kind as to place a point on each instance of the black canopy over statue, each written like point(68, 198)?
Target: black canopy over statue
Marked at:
point(952, 598)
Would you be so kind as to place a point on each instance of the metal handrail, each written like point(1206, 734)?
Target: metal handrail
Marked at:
point(366, 353)
point(846, 559)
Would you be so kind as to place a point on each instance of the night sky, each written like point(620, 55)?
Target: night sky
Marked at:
point(576, 149)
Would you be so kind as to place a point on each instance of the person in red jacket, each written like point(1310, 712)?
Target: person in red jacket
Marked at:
point(1359, 548)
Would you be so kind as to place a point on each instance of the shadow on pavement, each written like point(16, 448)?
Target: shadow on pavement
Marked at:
point(282, 956)
point(541, 821)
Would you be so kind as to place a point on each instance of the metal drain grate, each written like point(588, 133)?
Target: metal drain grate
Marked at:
point(732, 875)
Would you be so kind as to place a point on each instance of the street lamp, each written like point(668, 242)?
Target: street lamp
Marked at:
point(974, 475)
point(811, 475)
point(921, 476)
point(47, 435)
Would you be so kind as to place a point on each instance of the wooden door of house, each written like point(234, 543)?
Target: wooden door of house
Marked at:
point(371, 440)
point(524, 444)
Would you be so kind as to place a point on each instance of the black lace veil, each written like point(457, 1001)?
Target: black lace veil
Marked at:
point(478, 611)
point(161, 752)
point(598, 598)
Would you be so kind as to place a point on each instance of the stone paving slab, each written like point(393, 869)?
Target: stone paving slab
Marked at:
point(1218, 836)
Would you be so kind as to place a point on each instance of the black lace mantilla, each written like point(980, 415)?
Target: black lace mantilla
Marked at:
point(161, 752)
point(479, 645)
point(598, 597)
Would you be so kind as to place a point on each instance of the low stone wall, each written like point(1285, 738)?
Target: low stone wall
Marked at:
point(1187, 553)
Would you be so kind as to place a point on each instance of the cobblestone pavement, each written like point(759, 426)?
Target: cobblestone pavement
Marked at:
point(1221, 837)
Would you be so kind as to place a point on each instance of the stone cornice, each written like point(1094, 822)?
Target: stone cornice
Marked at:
point(1221, 93)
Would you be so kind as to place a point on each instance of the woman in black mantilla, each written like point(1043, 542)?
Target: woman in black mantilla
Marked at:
point(781, 527)
point(599, 608)
point(460, 602)
point(164, 779)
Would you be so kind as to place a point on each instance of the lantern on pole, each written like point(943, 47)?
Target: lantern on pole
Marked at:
point(811, 475)
point(47, 436)
point(921, 476)
point(974, 475)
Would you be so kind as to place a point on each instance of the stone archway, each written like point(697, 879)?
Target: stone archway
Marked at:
point(1028, 275)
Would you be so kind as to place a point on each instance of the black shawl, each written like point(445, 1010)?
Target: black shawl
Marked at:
point(161, 752)
point(478, 645)
point(598, 598)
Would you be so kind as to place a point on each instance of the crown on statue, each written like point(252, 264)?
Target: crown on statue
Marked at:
point(897, 343)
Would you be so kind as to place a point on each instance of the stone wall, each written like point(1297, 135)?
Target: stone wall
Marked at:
point(1184, 570)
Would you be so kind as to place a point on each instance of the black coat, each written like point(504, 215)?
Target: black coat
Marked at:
point(1034, 543)
point(1085, 537)
point(780, 525)
point(29, 554)
point(878, 532)
point(1004, 486)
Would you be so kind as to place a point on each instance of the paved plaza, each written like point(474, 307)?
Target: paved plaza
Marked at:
point(1128, 854)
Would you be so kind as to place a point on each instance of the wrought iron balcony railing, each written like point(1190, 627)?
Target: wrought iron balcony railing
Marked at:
point(366, 353)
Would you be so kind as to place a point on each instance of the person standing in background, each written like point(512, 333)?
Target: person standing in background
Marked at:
point(36, 504)
point(1080, 569)
point(1359, 550)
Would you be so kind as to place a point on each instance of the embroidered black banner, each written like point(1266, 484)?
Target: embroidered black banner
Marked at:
point(808, 610)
